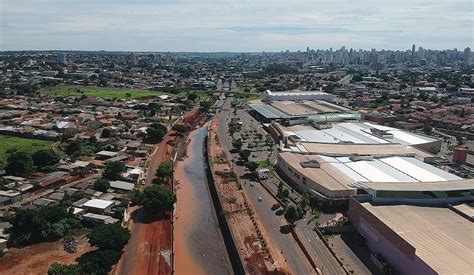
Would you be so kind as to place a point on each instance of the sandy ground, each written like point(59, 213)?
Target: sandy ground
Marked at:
point(36, 259)
point(199, 247)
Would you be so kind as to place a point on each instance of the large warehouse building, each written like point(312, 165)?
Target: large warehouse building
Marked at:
point(334, 162)
point(296, 107)
point(417, 239)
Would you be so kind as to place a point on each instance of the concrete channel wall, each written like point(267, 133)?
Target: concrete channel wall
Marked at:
point(235, 259)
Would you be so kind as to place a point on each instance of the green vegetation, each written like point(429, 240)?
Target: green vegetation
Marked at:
point(19, 164)
point(345, 80)
point(113, 170)
point(155, 133)
point(158, 199)
point(110, 239)
point(63, 269)
point(45, 157)
point(109, 236)
point(181, 129)
point(10, 144)
point(41, 224)
point(291, 214)
point(165, 170)
point(106, 93)
point(101, 185)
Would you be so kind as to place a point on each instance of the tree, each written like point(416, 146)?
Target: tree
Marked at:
point(113, 170)
point(181, 129)
point(45, 157)
point(47, 223)
point(291, 214)
point(245, 154)
point(99, 261)
point(68, 133)
point(283, 194)
point(101, 185)
point(237, 143)
point(165, 170)
point(106, 133)
point(154, 135)
point(158, 199)
point(109, 236)
point(192, 96)
point(63, 269)
point(135, 197)
point(19, 164)
point(205, 105)
point(73, 148)
point(252, 166)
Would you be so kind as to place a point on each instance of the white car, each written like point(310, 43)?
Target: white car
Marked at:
point(260, 199)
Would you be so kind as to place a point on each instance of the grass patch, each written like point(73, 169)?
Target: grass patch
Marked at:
point(249, 96)
point(263, 164)
point(104, 92)
point(346, 80)
point(10, 144)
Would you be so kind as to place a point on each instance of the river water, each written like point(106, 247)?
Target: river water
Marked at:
point(200, 247)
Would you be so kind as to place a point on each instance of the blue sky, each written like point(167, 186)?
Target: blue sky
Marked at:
point(234, 25)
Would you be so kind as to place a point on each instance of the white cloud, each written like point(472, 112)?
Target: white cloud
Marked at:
point(232, 25)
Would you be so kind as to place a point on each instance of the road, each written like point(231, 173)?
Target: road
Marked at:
point(271, 222)
point(315, 246)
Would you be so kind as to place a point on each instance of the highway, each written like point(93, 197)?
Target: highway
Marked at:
point(315, 246)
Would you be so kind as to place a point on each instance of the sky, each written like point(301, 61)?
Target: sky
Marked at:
point(234, 25)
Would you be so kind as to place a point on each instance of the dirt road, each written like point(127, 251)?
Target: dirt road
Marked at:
point(149, 248)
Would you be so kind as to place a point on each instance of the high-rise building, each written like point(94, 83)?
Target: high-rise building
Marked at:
point(467, 55)
point(61, 58)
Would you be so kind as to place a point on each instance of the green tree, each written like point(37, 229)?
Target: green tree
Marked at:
point(165, 170)
point(68, 133)
point(237, 144)
point(45, 157)
point(205, 105)
point(19, 164)
point(109, 236)
point(101, 185)
point(135, 197)
point(181, 129)
point(106, 133)
point(291, 214)
point(158, 199)
point(192, 96)
point(63, 269)
point(113, 170)
point(252, 166)
point(99, 262)
point(154, 135)
point(73, 148)
point(245, 154)
point(47, 223)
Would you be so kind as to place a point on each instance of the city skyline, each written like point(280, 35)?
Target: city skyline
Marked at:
point(229, 26)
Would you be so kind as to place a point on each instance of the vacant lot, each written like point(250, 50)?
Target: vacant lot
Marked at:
point(8, 143)
point(107, 93)
point(36, 259)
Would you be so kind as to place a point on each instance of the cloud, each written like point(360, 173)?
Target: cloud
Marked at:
point(232, 25)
